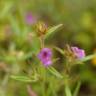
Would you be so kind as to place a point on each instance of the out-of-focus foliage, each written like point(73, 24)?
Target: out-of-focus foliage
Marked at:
point(18, 44)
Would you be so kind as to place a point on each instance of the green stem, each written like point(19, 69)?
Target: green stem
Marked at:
point(42, 42)
point(43, 82)
point(77, 89)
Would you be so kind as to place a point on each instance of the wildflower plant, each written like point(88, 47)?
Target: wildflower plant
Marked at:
point(25, 58)
point(43, 72)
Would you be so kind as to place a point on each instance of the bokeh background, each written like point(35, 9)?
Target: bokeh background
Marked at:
point(79, 29)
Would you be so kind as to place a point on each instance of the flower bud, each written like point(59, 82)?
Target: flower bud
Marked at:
point(74, 53)
point(41, 28)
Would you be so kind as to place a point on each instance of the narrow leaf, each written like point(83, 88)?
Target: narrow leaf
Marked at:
point(67, 91)
point(22, 78)
point(51, 30)
point(59, 50)
point(88, 57)
point(55, 72)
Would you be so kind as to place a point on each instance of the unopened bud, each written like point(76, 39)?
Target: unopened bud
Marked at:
point(42, 28)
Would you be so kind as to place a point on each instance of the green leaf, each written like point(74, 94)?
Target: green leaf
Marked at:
point(59, 50)
point(67, 91)
point(88, 57)
point(51, 30)
point(22, 78)
point(55, 72)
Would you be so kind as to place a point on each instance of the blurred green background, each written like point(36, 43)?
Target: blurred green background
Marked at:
point(79, 29)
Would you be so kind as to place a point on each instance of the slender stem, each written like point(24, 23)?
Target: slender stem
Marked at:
point(52, 89)
point(43, 83)
point(43, 87)
point(67, 89)
point(42, 41)
point(77, 89)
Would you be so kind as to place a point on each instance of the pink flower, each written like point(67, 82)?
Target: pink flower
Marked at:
point(79, 53)
point(29, 18)
point(45, 56)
